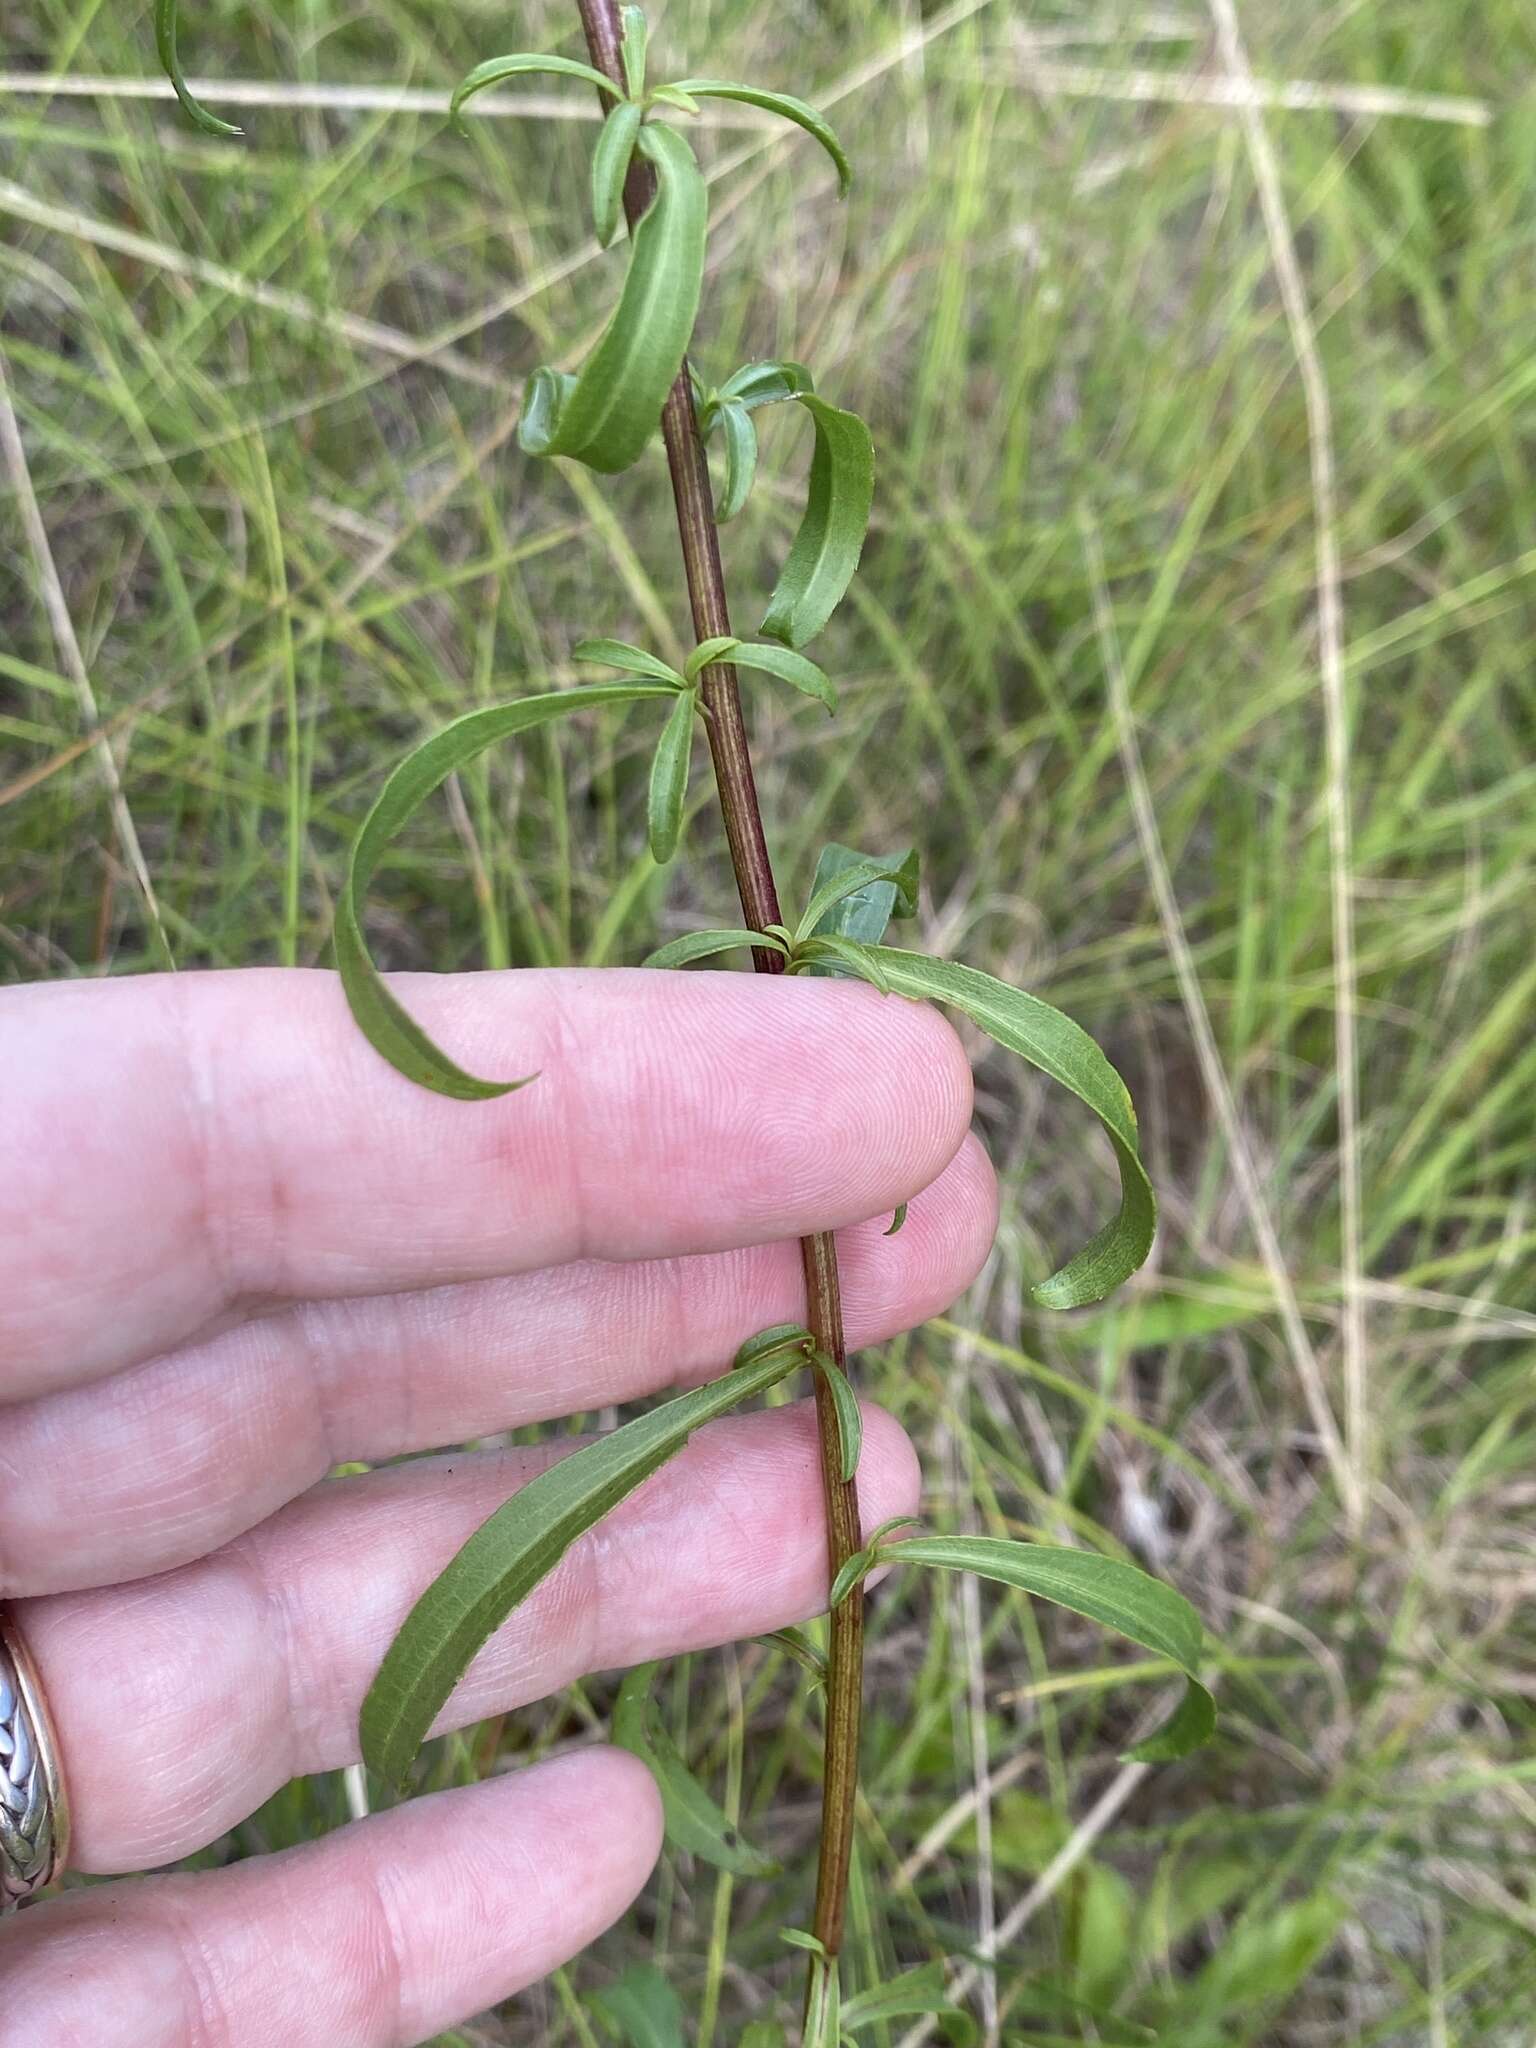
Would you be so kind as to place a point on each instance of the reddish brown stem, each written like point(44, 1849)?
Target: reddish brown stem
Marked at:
point(694, 499)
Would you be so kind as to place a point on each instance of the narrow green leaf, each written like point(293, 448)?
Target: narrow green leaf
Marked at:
point(632, 49)
point(850, 1423)
point(705, 945)
point(1119, 1596)
point(1062, 1049)
point(170, 62)
point(805, 1653)
point(614, 406)
point(766, 383)
point(641, 2006)
point(695, 1821)
point(826, 549)
point(495, 70)
point(831, 949)
point(782, 103)
point(669, 779)
point(914, 1993)
point(795, 669)
point(634, 660)
point(383, 1021)
point(770, 1342)
point(717, 648)
point(610, 166)
point(740, 437)
point(800, 1937)
point(897, 1220)
point(672, 96)
point(849, 1573)
point(857, 895)
point(823, 2007)
point(520, 1545)
point(763, 2034)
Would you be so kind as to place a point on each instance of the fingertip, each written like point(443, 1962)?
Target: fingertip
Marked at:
point(890, 1479)
point(893, 1281)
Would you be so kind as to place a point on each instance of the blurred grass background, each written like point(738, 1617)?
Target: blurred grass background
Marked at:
point(263, 396)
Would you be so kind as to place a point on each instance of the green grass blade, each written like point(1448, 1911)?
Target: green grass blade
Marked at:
point(385, 1023)
point(608, 415)
point(521, 1544)
point(826, 549)
point(1058, 1047)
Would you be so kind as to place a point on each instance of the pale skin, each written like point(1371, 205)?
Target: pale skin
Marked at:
point(237, 1250)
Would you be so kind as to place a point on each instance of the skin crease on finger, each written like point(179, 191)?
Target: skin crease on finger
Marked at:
point(377, 1936)
point(153, 1467)
point(167, 1745)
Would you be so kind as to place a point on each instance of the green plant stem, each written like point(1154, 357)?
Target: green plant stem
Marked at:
point(743, 819)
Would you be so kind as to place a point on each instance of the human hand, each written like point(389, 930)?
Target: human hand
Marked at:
point(236, 1250)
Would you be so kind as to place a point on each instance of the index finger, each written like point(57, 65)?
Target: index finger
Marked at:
point(178, 1146)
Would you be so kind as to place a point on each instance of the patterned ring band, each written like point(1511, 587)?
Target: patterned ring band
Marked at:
point(34, 1817)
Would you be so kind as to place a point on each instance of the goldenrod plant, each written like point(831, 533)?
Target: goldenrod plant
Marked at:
point(635, 386)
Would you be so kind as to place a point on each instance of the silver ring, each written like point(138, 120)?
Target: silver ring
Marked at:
point(34, 1815)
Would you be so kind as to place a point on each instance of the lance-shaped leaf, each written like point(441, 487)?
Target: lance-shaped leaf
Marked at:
point(606, 416)
point(385, 1023)
point(781, 103)
point(170, 61)
point(623, 654)
point(850, 1422)
point(673, 96)
point(830, 953)
point(717, 648)
point(521, 1544)
point(740, 440)
point(496, 70)
point(695, 1821)
point(669, 778)
point(632, 48)
point(729, 410)
point(798, 670)
point(766, 383)
point(1058, 1047)
point(826, 549)
point(610, 166)
point(857, 895)
point(1119, 1596)
point(705, 945)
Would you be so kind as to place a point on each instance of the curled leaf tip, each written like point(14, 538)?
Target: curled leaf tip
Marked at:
point(170, 61)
